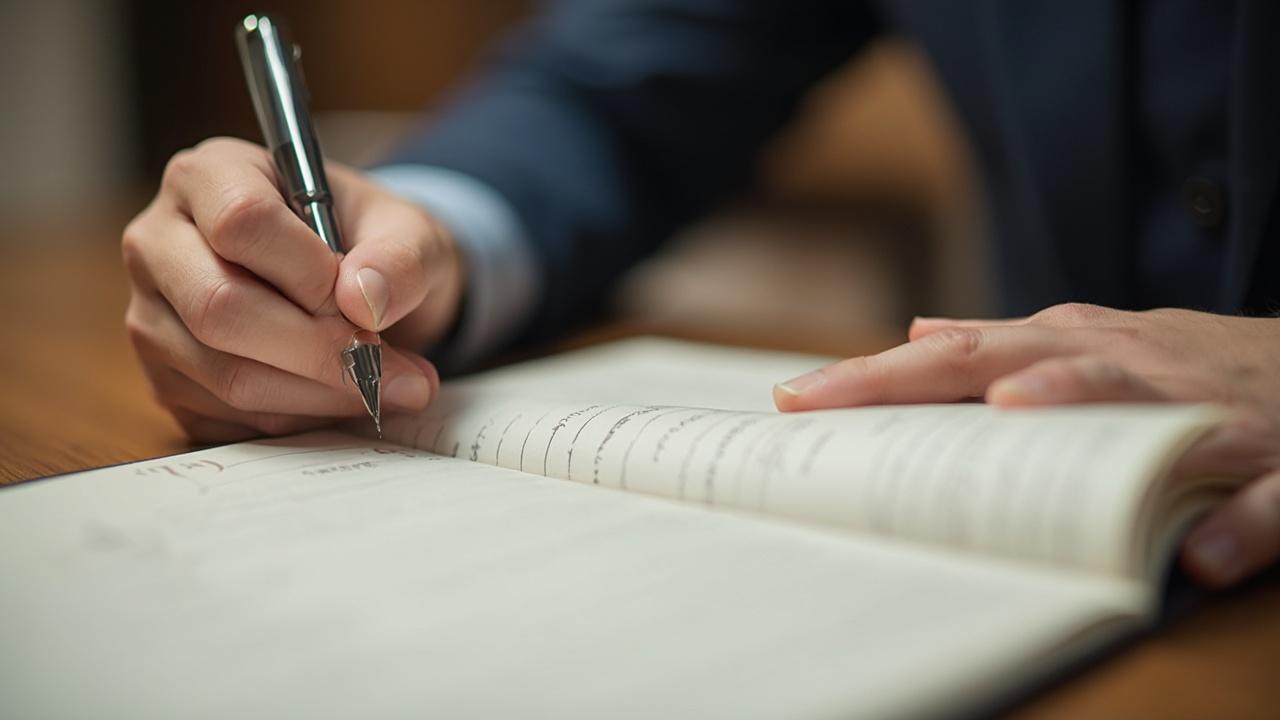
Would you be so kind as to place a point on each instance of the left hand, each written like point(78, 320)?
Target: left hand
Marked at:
point(1084, 353)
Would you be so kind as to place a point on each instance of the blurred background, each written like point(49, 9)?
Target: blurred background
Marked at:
point(864, 211)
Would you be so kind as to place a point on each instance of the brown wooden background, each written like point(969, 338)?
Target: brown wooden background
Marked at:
point(375, 55)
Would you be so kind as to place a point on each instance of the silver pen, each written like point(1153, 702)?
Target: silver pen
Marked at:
point(280, 102)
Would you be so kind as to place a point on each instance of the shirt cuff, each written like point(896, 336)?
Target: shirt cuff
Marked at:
point(503, 278)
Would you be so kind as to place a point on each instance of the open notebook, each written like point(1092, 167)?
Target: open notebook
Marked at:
point(625, 531)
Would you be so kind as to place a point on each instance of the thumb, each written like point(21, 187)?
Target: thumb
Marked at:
point(382, 279)
point(1067, 380)
point(1241, 537)
point(404, 269)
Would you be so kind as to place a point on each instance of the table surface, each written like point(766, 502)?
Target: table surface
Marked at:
point(74, 398)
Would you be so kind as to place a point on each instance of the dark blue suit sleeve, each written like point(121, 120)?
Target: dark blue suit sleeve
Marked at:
point(608, 123)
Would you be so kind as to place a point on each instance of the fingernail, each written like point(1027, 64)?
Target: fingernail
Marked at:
point(804, 383)
point(376, 293)
point(1218, 554)
point(410, 391)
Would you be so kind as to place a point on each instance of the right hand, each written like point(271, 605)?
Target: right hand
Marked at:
point(237, 308)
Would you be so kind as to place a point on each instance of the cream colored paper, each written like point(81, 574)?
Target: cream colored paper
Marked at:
point(330, 576)
point(326, 577)
point(1060, 486)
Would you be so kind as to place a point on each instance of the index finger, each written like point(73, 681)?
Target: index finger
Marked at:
point(227, 309)
point(951, 364)
point(228, 188)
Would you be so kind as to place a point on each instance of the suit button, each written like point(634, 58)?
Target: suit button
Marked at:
point(1204, 201)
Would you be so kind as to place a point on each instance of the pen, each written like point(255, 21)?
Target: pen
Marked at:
point(280, 102)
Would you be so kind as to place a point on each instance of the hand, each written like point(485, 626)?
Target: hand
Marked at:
point(239, 312)
point(1084, 353)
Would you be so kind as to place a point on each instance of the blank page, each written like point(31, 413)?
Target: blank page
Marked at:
point(325, 576)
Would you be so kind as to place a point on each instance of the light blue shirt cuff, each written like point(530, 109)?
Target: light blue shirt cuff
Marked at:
point(504, 281)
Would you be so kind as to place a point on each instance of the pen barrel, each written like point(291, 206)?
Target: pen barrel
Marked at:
point(279, 98)
point(319, 215)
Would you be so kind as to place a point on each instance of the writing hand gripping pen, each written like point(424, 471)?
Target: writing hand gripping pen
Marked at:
point(280, 102)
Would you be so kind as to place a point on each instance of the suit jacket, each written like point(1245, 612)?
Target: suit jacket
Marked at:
point(608, 123)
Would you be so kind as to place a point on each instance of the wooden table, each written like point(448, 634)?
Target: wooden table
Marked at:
point(73, 398)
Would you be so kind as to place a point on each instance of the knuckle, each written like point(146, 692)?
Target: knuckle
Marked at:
point(1072, 313)
point(178, 169)
point(859, 366)
point(132, 237)
point(220, 142)
point(959, 349)
point(959, 344)
point(212, 144)
point(313, 289)
point(238, 224)
point(220, 146)
point(131, 247)
point(186, 162)
point(135, 324)
point(870, 373)
point(145, 336)
point(212, 314)
point(238, 388)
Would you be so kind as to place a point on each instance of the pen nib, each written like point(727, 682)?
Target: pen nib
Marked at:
point(363, 362)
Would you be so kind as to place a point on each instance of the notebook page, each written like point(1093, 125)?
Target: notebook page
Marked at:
point(322, 576)
point(1057, 486)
